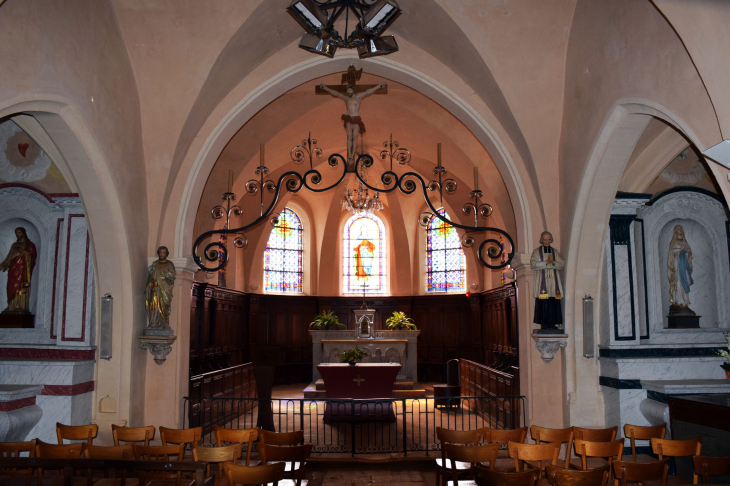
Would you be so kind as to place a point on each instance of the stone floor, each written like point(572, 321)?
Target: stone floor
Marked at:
point(390, 473)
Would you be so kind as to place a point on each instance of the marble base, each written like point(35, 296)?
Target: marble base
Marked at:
point(683, 322)
point(19, 412)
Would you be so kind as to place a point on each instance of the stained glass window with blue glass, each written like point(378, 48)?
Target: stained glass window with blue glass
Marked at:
point(363, 255)
point(445, 257)
point(283, 255)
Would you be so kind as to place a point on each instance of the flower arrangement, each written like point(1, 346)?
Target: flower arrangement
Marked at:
point(726, 354)
point(352, 356)
point(399, 321)
point(325, 320)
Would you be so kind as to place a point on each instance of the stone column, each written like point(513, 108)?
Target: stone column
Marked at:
point(542, 383)
point(166, 384)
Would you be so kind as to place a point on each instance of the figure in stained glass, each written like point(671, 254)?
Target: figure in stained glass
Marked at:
point(363, 255)
point(445, 257)
point(283, 255)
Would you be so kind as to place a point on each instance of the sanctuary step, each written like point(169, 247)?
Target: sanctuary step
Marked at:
point(401, 389)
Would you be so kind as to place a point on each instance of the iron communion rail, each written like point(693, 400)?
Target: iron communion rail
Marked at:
point(396, 425)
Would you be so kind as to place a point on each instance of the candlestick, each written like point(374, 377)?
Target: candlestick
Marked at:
point(476, 178)
point(262, 155)
point(439, 154)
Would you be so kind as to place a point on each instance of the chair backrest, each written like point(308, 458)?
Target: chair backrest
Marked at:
point(504, 436)
point(557, 436)
point(236, 435)
point(64, 451)
point(486, 477)
point(676, 448)
point(13, 449)
point(560, 476)
point(274, 453)
point(76, 432)
point(264, 474)
point(608, 450)
point(281, 438)
point(595, 435)
point(706, 466)
point(180, 436)
point(542, 453)
point(217, 455)
point(110, 453)
point(470, 454)
point(158, 453)
point(641, 432)
point(450, 436)
point(133, 434)
point(640, 472)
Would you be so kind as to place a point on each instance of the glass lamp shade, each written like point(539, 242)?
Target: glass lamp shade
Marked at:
point(309, 15)
point(378, 18)
point(377, 46)
point(313, 43)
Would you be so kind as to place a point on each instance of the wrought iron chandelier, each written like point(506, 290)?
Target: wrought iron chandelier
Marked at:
point(490, 248)
point(372, 18)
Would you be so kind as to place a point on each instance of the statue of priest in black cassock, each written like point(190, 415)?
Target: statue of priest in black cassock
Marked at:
point(545, 262)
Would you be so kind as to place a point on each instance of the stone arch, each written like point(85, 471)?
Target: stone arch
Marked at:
point(83, 161)
point(193, 181)
point(610, 154)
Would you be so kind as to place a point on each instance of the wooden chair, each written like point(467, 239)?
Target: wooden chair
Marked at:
point(706, 466)
point(677, 448)
point(447, 436)
point(217, 455)
point(640, 472)
point(560, 476)
point(281, 438)
point(594, 455)
point(484, 476)
point(264, 474)
point(159, 453)
point(533, 455)
point(76, 432)
point(560, 436)
point(504, 437)
point(591, 435)
point(64, 451)
point(294, 457)
point(14, 449)
point(181, 436)
point(133, 434)
point(236, 435)
point(471, 455)
point(639, 432)
point(110, 453)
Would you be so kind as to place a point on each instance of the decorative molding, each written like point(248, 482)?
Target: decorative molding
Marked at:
point(619, 384)
point(549, 344)
point(646, 352)
point(159, 346)
point(620, 225)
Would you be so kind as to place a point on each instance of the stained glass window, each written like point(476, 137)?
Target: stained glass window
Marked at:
point(445, 257)
point(283, 255)
point(364, 256)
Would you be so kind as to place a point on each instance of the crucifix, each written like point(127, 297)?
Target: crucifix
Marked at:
point(352, 94)
point(358, 380)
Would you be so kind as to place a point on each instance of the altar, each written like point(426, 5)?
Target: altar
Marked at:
point(365, 381)
point(397, 347)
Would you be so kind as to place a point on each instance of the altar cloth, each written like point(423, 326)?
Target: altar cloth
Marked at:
point(364, 381)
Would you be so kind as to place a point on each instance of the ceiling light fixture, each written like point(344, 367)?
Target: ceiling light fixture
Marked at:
point(373, 18)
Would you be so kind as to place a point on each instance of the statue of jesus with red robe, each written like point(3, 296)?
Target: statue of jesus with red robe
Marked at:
point(19, 264)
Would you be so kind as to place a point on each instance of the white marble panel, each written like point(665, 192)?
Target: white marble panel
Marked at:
point(55, 409)
point(695, 368)
point(604, 308)
point(17, 371)
point(623, 290)
point(612, 406)
point(75, 297)
point(639, 276)
point(81, 408)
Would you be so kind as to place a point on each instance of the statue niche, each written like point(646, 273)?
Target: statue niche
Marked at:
point(19, 249)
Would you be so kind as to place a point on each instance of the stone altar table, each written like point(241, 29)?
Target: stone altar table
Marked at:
point(364, 381)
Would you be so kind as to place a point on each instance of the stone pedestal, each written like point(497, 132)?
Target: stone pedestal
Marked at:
point(18, 411)
point(159, 342)
point(16, 320)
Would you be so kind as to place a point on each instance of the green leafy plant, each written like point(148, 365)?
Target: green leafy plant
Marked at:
point(726, 354)
point(351, 355)
point(399, 321)
point(325, 320)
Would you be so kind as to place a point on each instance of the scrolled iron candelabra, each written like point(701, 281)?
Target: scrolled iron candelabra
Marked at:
point(406, 183)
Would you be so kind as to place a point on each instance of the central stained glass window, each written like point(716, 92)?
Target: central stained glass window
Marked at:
point(283, 255)
point(445, 257)
point(364, 258)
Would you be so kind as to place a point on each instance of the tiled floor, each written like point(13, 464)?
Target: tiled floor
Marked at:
point(392, 473)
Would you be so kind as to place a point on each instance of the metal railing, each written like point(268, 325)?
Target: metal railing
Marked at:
point(396, 425)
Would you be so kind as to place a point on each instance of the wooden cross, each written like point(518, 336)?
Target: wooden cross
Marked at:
point(358, 380)
point(349, 80)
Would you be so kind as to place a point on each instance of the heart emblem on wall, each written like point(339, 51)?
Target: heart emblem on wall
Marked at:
point(22, 148)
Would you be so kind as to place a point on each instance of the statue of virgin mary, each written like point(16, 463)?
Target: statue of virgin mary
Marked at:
point(679, 266)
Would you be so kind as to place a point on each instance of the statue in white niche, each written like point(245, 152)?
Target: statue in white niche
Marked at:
point(679, 266)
